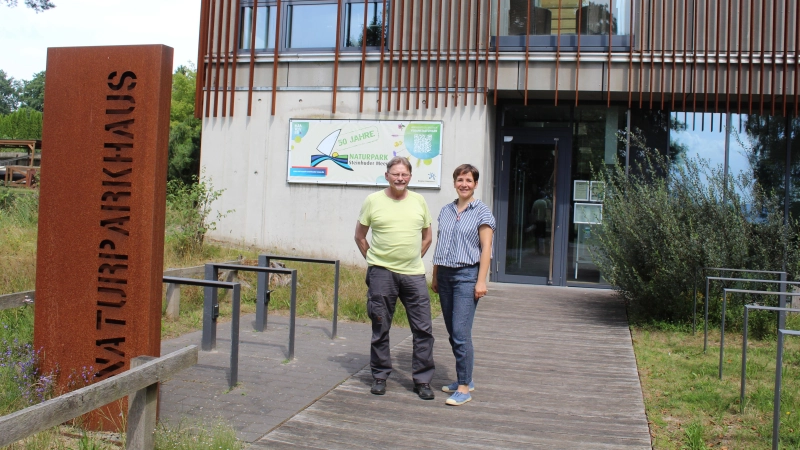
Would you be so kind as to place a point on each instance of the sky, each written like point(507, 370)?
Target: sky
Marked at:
point(26, 35)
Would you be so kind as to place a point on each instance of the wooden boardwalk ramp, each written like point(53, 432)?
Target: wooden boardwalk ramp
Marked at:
point(554, 368)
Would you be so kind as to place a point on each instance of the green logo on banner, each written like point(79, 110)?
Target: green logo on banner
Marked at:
point(422, 140)
point(299, 130)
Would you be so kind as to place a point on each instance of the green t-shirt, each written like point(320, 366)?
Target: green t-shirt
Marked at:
point(396, 231)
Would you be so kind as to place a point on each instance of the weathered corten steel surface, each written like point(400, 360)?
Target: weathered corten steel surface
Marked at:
point(101, 211)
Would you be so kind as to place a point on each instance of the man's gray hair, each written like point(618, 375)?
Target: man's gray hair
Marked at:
point(398, 160)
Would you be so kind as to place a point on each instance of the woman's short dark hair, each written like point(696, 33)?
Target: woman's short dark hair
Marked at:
point(398, 160)
point(466, 168)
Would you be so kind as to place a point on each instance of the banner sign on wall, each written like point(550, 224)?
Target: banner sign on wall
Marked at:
point(355, 152)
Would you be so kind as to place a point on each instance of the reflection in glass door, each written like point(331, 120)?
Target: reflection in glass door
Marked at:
point(530, 210)
point(532, 174)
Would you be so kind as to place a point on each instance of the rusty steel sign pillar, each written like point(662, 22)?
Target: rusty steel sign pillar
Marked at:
point(101, 211)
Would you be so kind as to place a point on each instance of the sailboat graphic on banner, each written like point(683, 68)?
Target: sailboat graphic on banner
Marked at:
point(325, 147)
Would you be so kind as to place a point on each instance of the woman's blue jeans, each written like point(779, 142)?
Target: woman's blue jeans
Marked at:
point(457, 297)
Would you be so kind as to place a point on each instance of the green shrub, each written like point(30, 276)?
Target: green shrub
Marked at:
point(662, 221)
point(188, 214)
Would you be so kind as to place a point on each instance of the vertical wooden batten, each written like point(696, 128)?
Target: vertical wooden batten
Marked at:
point(336, 53)
point(383, 54)
point(227, 53)
point(400, 54)
point(486, 53)
point(762, 56)
point(199, 81)
point(392, 43)
point(363, 59)
point(663, 50)
point(252, 60)
point(428, 62)
point(458, 50)
point(235, 54)
point(440, 19)
point(419, 52)
point(275, 57)
point(410, 53)
point(577, 55)
point(608, 65)
point(674, 54)
point(558, 52)
point(217, 54)
point(497, 54)
point(447, 58)
point(785, 51)
point(208, 57)
point(527, 52)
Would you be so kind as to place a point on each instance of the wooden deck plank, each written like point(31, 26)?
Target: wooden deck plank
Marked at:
point(554, 368)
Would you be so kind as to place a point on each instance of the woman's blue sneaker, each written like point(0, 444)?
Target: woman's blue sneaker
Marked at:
point(452, 387)
point(458, 399)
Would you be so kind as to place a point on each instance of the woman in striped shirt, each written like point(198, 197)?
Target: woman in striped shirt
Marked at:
point(460, 265)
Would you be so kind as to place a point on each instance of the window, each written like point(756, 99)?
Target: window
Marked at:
point(354, 24)
point(311, 26)
point(265, 35)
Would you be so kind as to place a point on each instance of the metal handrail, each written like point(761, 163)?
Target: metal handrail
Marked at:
point(747, 309)
point(210, 303)
point(782, 300)
point(725, 291)
point(261, 309)
point(776, 413)
point(235, 303)
point(720, 269)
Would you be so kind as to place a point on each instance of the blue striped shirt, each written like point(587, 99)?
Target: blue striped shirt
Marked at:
point(457, 241)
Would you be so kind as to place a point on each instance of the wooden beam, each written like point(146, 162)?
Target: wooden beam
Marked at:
point(34, 419)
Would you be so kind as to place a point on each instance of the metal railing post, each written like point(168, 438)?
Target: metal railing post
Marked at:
point(744, 358)
point(210, 311)
point(292, 313)
point(722, 331)
point(335, 300)
point(776, 412)
point(782, 304)
point(747, 309)
point(705, 320)
point(236, 305)
point(694, 302)
point(262, 295)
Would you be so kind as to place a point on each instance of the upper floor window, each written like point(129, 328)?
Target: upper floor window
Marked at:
point(265, 27)
point(354, 25)
point(312, 25)
point(545, 25)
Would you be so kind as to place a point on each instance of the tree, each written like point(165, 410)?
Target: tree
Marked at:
point(24, 123)
point(36, 5)
point(184, 128)
point(31, 93)
point(8, 93)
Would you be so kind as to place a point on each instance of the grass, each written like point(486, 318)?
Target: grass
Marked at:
point(18, 219)
point(182, 436)
point(688, 407)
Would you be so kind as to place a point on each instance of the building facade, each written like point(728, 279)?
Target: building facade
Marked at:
point(536, 93)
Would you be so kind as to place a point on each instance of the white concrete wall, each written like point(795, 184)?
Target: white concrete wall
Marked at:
point(247, 156)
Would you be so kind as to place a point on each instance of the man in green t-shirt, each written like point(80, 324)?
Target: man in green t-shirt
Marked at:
point(401, 234)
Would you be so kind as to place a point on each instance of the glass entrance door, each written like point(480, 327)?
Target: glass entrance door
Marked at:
point(531, 240)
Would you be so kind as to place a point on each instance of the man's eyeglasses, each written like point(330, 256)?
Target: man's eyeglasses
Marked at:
point(400, 175)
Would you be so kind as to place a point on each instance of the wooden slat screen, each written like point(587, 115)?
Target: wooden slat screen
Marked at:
point(696, 55)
